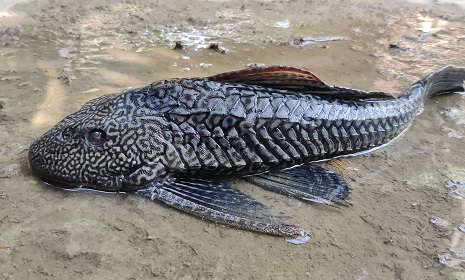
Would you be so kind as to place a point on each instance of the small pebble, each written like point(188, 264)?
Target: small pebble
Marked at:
point(10, 170)
point(205, 65)
point(216, 47)
point(254, 65)
point(24, 84)
point(177, 45)
point(444, 259)
point(436, 221)
point(10, 78)
point(355, 48)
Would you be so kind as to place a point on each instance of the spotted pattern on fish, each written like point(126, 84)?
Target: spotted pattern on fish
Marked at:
point(233, 124)
point(194, 126)
point(235, 129)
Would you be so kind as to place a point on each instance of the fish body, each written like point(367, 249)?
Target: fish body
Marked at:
point(180, 140)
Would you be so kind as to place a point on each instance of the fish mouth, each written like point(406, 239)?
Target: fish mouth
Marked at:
point(59, 184)
point(49, 180)
point(114, 184)
point(70, 186)
point(36, 165)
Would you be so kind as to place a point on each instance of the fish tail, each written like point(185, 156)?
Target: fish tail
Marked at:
point(447, 79)
point(444, 80)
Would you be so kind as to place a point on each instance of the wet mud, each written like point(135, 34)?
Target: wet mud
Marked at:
point(406, 220)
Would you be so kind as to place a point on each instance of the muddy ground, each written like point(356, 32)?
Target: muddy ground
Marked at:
point(405, 223)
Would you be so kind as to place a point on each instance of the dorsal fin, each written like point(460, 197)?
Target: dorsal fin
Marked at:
point(350, 93)
point(280, 77)
point(292, 79)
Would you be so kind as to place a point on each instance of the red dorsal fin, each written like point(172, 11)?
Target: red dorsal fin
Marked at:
point(265, 73)
point(280, 77)
point(293, 79)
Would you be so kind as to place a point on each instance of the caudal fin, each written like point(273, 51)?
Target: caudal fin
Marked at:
point(447, 79)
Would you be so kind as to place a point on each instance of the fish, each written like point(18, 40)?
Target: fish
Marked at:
point(190, 142)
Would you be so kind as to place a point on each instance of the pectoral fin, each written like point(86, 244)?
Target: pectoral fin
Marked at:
point(307, 182)
point(219, 201)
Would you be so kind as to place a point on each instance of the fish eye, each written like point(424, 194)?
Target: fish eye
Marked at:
point(67, 133)
point(96, 137)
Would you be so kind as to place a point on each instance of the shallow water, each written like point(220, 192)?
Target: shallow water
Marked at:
point(56, 57)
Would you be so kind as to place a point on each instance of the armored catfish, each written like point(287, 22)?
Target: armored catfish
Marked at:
point(187, 142)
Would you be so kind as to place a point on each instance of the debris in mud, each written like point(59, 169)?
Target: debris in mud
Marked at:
point(398, 48)
point(462, 228)
point(445, 259)
point(418, 39)
point(455, 113)
point(456, 255)
point(304, 41)
point(437, 221)
point(356, 48)
point(10, 170)
point(255, 65)
point(5, 119)
point(24, 84)
point(102, 57)
point(66, 78)
point(457, 188)
point(452, 133)
point(90, 90)
point(283, 24)
point(364, 275)
point(216, 47)
point(65, 52)
point(177, 45)
point(8, 54)
point(205, 65)
point(10, 78)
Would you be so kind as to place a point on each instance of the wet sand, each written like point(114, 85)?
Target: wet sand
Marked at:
point(404, 222)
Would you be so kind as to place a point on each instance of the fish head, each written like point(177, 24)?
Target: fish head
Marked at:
point(100, 146)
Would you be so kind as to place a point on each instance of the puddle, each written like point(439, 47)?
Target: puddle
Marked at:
point(455, 255)
point(457, 188)
point(458, 115)
point(455, 2)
